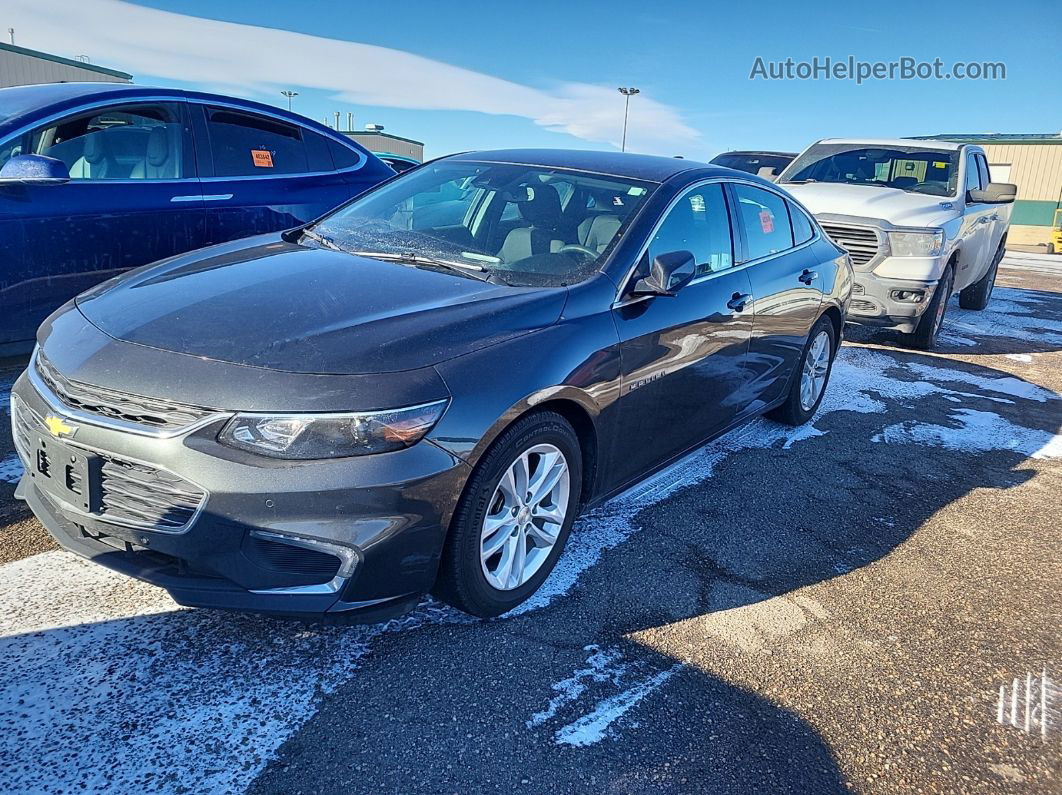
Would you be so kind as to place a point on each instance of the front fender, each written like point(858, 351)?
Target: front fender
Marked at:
point(571, 361)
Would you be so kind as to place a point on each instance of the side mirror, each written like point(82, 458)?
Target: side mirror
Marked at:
point(669, 273)
point(995, 193)
point(34, 170)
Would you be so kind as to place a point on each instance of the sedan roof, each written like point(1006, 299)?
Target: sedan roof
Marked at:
point(617, 164)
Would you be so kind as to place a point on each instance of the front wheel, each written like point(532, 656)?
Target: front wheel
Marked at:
point(808, 384)
point(977, 294)
point(513, 518)
point(924, 336)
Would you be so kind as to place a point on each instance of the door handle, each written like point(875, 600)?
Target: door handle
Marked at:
point(808, 276)
point(737, 301)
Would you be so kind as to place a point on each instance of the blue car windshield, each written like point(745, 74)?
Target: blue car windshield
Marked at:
point(522, 225)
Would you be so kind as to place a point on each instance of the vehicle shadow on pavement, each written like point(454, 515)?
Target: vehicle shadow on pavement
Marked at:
point(709, 581)
point(622, 676)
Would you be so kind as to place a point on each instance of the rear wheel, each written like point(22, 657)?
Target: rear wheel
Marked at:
point(925, 333)
point(808, 384)
point(513, 518)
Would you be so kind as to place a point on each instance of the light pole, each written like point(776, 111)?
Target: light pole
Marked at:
point(290, 95)
point(627, 94)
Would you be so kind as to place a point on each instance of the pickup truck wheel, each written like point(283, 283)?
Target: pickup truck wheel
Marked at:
point(977, 294)
point(808, 383)
point(925, 333)
point(514, 517)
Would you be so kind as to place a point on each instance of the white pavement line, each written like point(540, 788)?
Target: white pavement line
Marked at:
point(593, 727)
point(11, 469)
point(196, 700)
point(1029, 703)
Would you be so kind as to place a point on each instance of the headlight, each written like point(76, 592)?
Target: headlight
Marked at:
point(307, 436)
point(917, 244)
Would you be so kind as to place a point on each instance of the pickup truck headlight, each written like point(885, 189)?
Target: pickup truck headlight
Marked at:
point(917, 244)
point(310, 436)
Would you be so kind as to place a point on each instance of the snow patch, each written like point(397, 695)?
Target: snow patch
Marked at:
point(975, 431)
point(11, 469)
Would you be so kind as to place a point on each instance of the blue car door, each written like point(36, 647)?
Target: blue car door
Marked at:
point(133, 198)
point(263, 173)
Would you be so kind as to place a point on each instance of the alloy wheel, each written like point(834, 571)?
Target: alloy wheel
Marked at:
point(816, 366)
point(524, 517)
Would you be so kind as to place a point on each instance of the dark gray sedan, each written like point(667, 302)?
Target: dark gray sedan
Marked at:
point(422, 390)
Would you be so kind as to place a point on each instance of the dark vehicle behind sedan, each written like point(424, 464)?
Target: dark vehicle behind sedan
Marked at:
point(396, 399)
point(99, 178)
point(763, 164)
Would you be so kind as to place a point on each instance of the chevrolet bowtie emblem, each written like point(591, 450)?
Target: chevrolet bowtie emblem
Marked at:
point(58, 427)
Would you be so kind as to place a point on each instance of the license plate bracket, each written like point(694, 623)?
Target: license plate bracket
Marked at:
point(66, 474)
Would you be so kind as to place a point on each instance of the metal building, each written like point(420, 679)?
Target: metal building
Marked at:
point(384, 143)
point(1033, 162)
point(22, 67)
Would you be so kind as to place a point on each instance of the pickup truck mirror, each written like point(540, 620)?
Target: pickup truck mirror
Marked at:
point(995, 193)
point(34, 170)
point(669, 273)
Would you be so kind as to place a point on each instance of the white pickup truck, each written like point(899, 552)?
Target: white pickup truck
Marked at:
point(920, 219)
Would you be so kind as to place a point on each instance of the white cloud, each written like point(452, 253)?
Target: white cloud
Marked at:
point(262, 61)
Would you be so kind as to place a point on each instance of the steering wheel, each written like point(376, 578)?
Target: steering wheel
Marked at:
point(575, 248)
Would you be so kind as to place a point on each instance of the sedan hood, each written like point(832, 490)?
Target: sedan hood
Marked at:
point(898, 207)
point(268, 303)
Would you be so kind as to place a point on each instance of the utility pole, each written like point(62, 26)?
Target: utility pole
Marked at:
point(11, 33)
point(290, 95)
point(627, 94)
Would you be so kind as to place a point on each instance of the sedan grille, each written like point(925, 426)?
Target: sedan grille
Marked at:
point(861, 242)
point(129, 493)
point(141, 495)
point(151, 412)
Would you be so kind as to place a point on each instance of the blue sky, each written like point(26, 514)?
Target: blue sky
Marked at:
point(548, 70)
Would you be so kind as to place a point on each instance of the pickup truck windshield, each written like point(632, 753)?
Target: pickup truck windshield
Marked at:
point(522, 225)
point(914, 169)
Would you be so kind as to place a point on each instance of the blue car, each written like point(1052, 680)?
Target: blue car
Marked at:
point(99, 178)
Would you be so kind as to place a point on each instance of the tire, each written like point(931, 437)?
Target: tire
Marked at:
point(798, 408)
point(464, 571)
point(977, 294)
point(924, 336)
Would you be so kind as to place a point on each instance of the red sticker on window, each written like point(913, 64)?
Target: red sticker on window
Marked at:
point(766, 221)
point(262, 158)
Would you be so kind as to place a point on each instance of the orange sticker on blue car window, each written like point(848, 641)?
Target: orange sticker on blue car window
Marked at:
point(766, 222)
point(262, 158)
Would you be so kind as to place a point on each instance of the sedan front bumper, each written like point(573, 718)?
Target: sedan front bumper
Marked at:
point(359, 536)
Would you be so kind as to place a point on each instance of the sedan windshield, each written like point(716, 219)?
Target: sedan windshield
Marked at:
point(909, 168)
point(516, 224)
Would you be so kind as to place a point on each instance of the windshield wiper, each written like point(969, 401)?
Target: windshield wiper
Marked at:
point(798, 181)
point(419, 259)
point(327, 242)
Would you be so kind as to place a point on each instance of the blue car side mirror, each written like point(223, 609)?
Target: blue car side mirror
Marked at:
point(34, 170)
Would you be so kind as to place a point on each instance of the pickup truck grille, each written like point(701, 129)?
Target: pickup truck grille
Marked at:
point(151, 412)
point(861, 242)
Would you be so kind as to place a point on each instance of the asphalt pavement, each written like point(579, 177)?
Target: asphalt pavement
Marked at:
point(869, 603)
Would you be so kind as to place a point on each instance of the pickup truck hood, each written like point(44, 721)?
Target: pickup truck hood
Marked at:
point(898, 207)
point(268, 303)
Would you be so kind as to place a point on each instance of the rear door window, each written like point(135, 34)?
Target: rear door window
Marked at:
point(765, 220)
point(246, 144)
point(803, 230)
